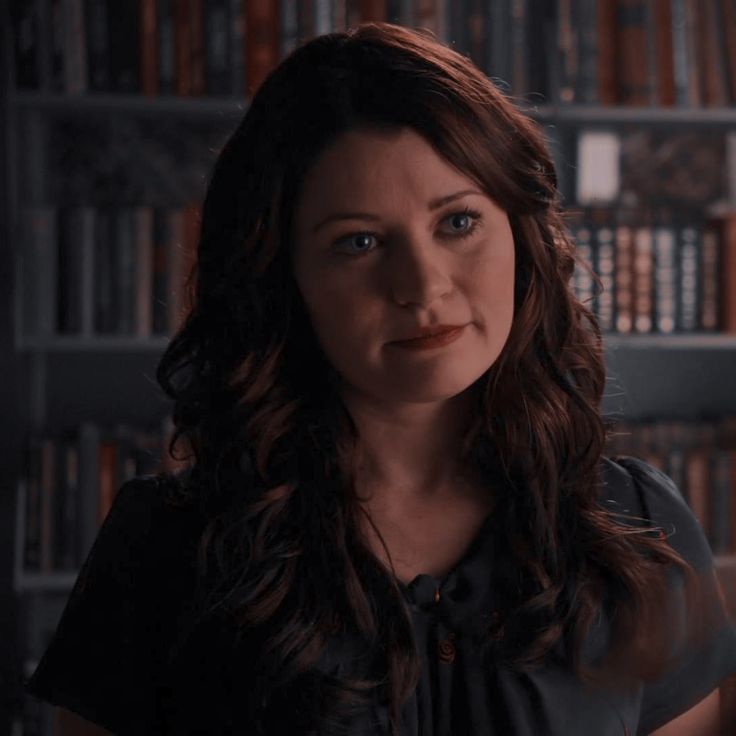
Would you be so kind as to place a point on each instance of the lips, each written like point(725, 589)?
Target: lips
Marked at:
point(437, 339)
point(434, 330)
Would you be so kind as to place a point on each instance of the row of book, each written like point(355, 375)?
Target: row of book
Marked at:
point(70, 481)
point(628, 52)
point(700, 457)
point(662, 274)
point(91, 271)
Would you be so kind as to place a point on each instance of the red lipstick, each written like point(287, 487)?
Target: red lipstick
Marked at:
point(438, 336)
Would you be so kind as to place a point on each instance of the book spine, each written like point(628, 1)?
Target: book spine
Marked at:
point(237, 48)
point(149, 81)
point(728, 19)
point(161, 237)
point(605, 261)
point(499, 48)
point(44, 47)
point(323, 20)
point(125, 269)
point(108, 474)
point(32, 535)
point(643, 281)
point(166, 48)
point(665, 71)
point(305, 21)
point(89, 479)
point(70, 254)
point(472, 36)
point(519, 48)
point(713, 43)
point(48, 502)
point(45, 226)
point(261, 42)
point(567, 51)
point(375, 10)
point(143, 281)
point(623, 289)
point(633, 49)
point(681, 53)
point(217, 50)
point(586, 91)
point(721, 500)
point(105, 296)
point(75, 49)
point(698, 481)
point(728, 274)
point(289, 14)
point(688, 279)
point(25, 24)
point(583, 267)
point(608, 92)
point(124, 45)
point(68, 554)
point(182, 47)
point(58, 43)
point(665, 279)
point(175, 270)
point(694, 49)
point(38, 271)
point(708, 286)
point(98, 48)
point(196, 48)
point(88, 255)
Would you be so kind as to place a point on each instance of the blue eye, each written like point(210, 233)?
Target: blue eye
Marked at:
point(466, 214)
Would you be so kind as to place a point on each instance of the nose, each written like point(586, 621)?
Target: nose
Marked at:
point(419, 274)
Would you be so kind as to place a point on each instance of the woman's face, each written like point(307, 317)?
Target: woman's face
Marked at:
point(398, 263)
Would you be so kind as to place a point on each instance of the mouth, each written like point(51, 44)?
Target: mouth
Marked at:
point(431, 341)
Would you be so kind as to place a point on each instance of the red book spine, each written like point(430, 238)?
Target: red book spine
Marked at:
point(262, 35)
point(663, 48)
point(149, 49)
point(182, 47)
point(196, 47)
point(623, 278)
point(375, 10)
point(607, 44)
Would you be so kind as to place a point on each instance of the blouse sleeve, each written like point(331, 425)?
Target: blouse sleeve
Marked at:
point(702, 666)
point(112, 636)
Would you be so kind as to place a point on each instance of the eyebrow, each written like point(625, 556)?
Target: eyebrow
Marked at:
point(433, 205)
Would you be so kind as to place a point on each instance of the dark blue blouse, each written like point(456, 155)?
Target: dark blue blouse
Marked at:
point(109, 659)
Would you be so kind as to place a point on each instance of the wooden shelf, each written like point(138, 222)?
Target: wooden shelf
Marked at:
point(113, 343)
point(100, 344)
point(694, 341)
point(573, 113)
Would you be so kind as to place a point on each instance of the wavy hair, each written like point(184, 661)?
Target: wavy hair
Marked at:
point(274, 450)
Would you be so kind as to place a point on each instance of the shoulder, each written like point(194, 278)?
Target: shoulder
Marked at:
point(645, 495)
point(122, 616)
point(143, 527)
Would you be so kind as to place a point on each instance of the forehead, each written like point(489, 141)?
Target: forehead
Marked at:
point(377, 163)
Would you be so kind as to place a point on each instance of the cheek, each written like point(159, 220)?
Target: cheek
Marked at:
point(334, 312)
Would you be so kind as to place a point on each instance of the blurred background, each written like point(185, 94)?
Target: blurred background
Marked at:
point(113, 112)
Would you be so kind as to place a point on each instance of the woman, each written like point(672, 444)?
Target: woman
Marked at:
point(379, 533)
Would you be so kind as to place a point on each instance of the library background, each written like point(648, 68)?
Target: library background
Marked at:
point(113, 113)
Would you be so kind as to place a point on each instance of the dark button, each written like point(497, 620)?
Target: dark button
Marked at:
point(447, 649)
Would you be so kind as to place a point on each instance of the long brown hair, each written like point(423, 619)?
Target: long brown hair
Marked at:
point(275, 450)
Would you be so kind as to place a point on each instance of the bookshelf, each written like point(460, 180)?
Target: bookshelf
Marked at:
point(76, 139)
